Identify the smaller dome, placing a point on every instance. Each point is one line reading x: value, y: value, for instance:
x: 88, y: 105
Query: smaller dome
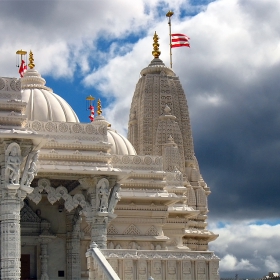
x: 42, y: 103
x: 121, y: 146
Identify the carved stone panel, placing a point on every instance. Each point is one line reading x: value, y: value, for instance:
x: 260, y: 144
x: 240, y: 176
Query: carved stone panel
x: 157, y: 270
x: 187, y: 270
x: 128, y: 270
x: 171, y: 271
x: 142, y: 270
x: 201, y: 270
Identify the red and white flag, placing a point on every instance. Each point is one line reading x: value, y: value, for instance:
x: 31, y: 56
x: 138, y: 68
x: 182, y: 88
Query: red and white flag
x: 179, y: 40
x: 22, y: 68
x: 91, y: 117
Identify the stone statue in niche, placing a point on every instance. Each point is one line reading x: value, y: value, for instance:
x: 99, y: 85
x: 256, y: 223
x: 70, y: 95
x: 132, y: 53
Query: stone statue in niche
x: 114, y: 198
x: 107, y: 198
x: 103, y: 195
x: 13, y: 165
x: 32, y: 170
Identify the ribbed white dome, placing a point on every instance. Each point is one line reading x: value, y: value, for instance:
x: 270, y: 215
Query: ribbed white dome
x: 42, y: 103
x: 121, y: 146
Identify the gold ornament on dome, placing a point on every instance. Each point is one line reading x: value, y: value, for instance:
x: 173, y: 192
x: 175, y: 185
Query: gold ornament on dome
x: 156, y: 52
x: 31, y: 60
x: 99, y: 108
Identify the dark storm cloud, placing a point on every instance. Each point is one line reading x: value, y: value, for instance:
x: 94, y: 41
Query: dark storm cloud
x: 237, y: 146
x: 27, y: 12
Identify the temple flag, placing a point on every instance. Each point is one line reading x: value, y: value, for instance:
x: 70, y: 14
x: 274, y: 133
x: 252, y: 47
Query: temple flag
x: 22, y: 68
x: 91, y: 117
x: 179, y: 40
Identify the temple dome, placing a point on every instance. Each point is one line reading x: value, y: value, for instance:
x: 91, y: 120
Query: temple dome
x: 42, y: 103
x: 120, y: 145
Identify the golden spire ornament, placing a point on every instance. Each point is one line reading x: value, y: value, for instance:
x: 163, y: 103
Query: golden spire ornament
x: 156, y: 52
x: 31, y: 60
x: 99, y: 107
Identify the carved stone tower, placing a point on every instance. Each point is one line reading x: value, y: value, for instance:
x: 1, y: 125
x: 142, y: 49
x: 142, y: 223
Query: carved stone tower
x: 159, y: 125
x: 159, y: 109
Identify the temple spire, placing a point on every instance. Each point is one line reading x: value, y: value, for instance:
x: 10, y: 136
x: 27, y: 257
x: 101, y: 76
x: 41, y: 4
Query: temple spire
x: 156, y: 52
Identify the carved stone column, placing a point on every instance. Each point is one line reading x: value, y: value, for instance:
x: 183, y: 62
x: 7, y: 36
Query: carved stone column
x: 12, y: 191
x: 44, y: 260
x: 73, y: 246
x: 10, y: 232
x: 44, y: 239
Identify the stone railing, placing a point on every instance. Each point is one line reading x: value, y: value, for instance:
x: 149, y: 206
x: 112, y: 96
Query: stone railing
x: 162, y: 264
x: 99, y: 268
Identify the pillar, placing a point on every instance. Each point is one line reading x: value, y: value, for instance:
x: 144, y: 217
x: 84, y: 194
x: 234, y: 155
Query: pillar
x: 44, y: 256
x: 15, y: 185
x: 73, y: 246
x: 10, y: 232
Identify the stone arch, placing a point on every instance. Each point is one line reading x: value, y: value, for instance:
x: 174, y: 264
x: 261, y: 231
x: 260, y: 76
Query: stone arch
x: 54, y: 195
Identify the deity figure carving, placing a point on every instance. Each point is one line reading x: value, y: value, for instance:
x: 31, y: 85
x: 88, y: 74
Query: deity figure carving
x: 32, y: 170
x: 13, y: 165
x: 114, y: 198
x: 103, y: 195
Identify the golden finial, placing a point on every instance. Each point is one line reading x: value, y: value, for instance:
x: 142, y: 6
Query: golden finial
x: 99, y: 108
x: 31, y: 60
x: 21, y: 52
x: 156, y: 52
x: 90, y: 98
x: 169, y: 14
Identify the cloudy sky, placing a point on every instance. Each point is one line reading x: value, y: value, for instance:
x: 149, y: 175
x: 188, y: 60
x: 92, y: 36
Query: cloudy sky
x: 230, y: 76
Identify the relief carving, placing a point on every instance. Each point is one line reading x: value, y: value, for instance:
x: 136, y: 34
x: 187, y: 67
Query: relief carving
x: 13, y: 164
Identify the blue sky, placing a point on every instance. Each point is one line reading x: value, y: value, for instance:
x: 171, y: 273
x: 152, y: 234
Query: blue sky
x: 230, y: 77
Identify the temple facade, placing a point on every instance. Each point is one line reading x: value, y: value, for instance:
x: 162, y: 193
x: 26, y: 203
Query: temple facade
x: 80, y: 201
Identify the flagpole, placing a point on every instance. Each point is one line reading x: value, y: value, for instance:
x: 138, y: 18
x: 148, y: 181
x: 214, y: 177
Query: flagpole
x: 169, y: 15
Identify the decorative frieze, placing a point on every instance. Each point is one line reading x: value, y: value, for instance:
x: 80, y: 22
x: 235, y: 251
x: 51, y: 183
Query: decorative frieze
x: 137, y: 162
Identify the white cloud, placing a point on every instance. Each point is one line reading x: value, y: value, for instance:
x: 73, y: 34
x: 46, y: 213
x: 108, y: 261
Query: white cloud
x: 230, y: 263
x: 272, y: 264
x: 247, y: 246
